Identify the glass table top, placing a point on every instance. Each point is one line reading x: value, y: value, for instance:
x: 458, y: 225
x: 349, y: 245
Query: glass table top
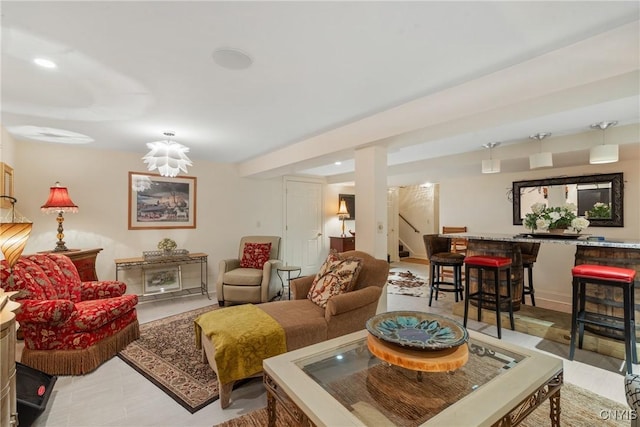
x: 377, y: 392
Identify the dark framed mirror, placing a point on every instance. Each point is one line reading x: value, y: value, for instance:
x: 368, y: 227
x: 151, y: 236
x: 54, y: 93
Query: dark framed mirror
x: 598, y: 197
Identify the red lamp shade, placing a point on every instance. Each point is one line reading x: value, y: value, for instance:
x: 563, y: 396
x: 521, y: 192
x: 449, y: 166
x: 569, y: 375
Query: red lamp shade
x: 59, y: 200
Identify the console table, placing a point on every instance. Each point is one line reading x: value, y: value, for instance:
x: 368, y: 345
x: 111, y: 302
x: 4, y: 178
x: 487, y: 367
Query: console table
x: 141, y: 263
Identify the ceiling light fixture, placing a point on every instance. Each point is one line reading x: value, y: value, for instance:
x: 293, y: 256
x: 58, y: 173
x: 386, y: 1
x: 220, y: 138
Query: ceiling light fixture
x: 492, y: 165
x: 168, y: 157
x: 601, y: 154
x: 47, y: 134
x: 232, y: 59
x: 541, y: 159
x: 45, y: 63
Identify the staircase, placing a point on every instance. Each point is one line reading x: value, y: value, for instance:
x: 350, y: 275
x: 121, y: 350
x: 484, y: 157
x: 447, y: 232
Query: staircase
x: 402, y: 253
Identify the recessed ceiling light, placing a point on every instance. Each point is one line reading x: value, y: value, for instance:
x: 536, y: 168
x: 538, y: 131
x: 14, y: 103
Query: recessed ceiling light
x: 49, y: 134
x: 45, y: 63
x: 337, y: 163
x: 232, y: 59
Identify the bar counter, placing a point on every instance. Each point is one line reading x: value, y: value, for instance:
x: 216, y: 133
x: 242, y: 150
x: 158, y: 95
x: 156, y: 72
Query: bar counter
x: 624, y: 253
x: 538, y: 238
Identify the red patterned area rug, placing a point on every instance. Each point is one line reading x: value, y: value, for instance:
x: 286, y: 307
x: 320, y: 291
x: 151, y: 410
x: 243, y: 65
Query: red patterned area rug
x: 404, y: 282
x: 167, y: 356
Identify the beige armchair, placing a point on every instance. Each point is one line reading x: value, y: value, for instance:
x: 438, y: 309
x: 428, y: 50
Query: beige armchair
x: 238, y: 284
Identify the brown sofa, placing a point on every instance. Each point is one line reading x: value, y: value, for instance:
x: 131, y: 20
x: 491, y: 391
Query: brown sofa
x: 305, y: 323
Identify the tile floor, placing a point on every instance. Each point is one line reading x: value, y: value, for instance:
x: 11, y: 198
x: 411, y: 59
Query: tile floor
x: 116, y: 395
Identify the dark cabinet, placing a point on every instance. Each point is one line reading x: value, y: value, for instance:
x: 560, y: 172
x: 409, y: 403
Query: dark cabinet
x: 343, y: 244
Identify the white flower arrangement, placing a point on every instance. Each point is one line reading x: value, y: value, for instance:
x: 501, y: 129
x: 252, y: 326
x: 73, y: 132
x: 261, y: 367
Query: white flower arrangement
x: 549, y: 218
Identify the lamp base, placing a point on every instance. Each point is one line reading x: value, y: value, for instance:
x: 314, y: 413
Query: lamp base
x: 60, y: 247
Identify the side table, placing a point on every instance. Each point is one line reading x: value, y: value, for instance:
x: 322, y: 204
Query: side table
x: 84, y: 260
x: 288, y: 269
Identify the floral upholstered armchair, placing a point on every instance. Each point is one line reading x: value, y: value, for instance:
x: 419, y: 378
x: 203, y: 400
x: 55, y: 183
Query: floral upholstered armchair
x: 70, y: 327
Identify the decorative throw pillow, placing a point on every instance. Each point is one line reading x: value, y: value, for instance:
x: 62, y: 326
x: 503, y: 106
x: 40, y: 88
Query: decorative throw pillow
x: 336, y: 276
x: 254, y: 255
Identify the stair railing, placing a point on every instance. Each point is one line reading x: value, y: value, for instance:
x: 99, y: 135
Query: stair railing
x: 407, y: 221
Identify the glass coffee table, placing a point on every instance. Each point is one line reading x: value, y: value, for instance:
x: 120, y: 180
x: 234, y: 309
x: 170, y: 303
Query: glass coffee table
x: 340, y: 383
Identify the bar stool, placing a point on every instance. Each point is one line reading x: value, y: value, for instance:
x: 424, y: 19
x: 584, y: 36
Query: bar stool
x: 529, y: 256
x: 495, y: 264
x: 440, y: 255
x: 603, y: 275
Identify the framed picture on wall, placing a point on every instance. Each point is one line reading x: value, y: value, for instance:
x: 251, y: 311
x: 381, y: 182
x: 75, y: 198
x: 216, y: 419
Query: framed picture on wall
x: 167, y: 278
x: 157, y: 202
x: 6, y: 184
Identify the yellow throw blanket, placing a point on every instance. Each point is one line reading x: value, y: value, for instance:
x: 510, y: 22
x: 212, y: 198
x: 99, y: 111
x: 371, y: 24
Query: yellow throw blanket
x: 243, y: 337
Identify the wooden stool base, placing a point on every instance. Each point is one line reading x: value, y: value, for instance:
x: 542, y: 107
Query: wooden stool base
x: 419, y: 360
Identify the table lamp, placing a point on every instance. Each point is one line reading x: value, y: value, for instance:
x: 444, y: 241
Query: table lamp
x: 343, y: 214
x: 59, y: 201
x: 14, y: 233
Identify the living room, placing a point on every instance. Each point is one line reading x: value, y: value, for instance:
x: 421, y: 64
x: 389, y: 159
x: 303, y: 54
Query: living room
x: 232, y: 202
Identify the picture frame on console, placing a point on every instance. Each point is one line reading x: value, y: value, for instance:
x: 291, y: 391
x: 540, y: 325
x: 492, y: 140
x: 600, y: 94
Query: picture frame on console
x: 157, y: 280
x: 157, y: 202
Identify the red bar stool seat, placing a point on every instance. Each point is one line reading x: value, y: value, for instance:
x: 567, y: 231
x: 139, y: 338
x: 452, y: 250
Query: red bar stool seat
x: 604, y: 275
x: 495, y: 264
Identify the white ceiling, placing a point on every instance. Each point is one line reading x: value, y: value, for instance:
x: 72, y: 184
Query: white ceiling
x: 425, y: 79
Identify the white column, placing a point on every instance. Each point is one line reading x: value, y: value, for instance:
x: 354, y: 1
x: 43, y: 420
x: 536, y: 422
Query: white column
x: 371, y: 206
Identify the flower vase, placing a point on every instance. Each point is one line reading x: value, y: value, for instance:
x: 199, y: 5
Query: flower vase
x: 557, y: 230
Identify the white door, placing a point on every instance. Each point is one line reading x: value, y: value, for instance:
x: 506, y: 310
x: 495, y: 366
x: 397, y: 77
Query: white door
x: 303, y: 225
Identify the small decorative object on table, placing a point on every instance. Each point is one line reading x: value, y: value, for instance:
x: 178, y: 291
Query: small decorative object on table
x: 167, y: 245
x: 418, y: 341
x: 167, y: 251
x: 554, y: 219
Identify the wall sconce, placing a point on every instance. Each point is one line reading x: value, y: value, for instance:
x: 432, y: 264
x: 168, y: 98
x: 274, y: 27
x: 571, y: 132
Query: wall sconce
x: 343, y: 214
x: 167, y: 156
x: 601, y: 154
x: 14, y: 233
x: 492, y: 165
x: 541, y: 159
x: 59, y: 201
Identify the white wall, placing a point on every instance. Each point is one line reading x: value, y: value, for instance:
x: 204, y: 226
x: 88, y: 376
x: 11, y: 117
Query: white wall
x: 482, y: 204
x: 7, y: 147
x: 228, y: 207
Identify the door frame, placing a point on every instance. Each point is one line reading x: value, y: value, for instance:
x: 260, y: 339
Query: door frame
x: 290, y: 178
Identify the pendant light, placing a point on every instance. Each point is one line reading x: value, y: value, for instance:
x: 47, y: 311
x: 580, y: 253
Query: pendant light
x: 541, y: 159
x: 601, y: 154
x: 491, y: 165
x: 167, y: 156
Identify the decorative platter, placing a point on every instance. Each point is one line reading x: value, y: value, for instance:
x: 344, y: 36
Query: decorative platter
x: 417, y: 330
